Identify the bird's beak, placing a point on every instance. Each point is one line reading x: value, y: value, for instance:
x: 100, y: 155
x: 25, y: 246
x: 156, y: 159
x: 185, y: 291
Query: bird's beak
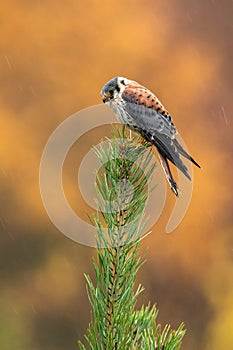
x: 105, y: 98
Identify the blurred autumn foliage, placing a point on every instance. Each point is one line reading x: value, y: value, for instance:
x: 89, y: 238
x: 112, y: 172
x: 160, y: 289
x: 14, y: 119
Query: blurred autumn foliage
x: 54, y: 59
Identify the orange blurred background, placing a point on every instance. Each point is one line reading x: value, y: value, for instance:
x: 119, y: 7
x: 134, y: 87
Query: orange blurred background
x: 54, y: 59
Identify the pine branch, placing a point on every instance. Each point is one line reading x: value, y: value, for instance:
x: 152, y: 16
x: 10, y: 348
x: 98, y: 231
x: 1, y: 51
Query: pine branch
x: 122, y: 188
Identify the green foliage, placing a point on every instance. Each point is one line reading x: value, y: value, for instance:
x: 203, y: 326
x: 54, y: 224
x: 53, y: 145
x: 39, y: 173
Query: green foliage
x: 122, y: 188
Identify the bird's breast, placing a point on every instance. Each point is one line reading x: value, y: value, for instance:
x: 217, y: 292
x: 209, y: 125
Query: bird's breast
x: 122, y: 116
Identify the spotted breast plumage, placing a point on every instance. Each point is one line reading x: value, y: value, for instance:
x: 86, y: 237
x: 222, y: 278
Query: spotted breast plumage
x: 138, y: 108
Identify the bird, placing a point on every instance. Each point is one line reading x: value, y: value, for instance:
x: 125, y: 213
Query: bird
x: 141, y: 111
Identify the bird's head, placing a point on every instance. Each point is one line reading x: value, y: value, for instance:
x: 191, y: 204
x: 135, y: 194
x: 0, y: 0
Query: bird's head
x: 112, y: 88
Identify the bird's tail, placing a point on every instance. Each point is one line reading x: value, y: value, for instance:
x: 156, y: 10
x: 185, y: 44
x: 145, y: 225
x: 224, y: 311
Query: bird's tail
x: 170, y: 150
x: 168, y: 174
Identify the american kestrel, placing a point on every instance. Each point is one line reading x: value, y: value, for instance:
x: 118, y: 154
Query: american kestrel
x: 140, y: 110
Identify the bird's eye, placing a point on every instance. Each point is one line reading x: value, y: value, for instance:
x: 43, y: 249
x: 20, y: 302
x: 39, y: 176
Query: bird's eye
x: 123, y: 82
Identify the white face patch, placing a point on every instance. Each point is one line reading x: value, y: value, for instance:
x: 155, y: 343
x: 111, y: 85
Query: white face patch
x: 122, y: 83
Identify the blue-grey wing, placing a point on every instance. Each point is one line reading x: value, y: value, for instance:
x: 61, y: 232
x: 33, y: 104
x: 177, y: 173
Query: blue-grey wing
x: 146, y: 118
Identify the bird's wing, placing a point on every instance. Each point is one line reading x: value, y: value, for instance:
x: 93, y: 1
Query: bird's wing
x: 147, y: 111
x: 167, y: 149
x: 150, y: 118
